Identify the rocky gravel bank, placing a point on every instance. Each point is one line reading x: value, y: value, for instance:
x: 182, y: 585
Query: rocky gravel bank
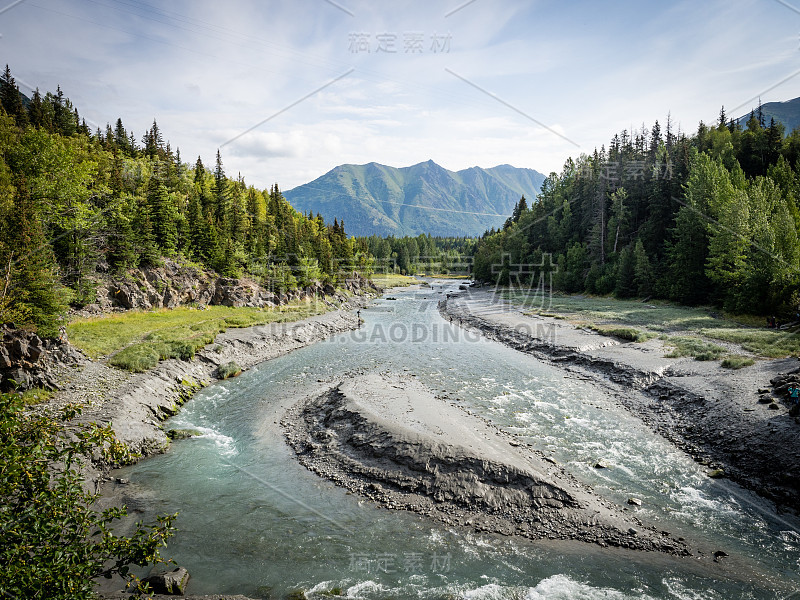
x: 736, y: 423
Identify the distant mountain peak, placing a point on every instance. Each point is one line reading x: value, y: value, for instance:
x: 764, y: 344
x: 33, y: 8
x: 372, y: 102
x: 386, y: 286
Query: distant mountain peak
x: 422, y: 198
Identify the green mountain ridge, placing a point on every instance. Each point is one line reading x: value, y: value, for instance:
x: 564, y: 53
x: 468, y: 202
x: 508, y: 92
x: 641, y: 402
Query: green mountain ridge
x: 786, y: 112
x: 423, y: 198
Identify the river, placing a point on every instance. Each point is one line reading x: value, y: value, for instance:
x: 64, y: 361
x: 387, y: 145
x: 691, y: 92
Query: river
x: 254, y: 521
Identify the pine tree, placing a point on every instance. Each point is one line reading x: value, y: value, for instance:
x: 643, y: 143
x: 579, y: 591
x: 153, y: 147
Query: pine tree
x: 36, y: 110
x: 163, y: 217
x: 642, y: 270
x: 11, y: 99
x: 221, y: 197
x: 32, y: 290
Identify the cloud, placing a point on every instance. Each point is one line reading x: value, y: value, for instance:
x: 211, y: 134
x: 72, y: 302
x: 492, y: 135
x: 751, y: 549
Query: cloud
x: 587, y: 70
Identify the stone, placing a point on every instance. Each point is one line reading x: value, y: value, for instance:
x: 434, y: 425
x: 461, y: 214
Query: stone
x: 634, y: 502
x: 172, y: 583
x: 182, y: 434
x: 716, y: 474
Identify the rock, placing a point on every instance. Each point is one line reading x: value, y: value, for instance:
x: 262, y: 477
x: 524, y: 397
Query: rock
x: 716, y: 474
x: 773, y: 406
x: 17, y: 378
x: 719, y: 554
x: 600, y: 465
x: 766, y: 399
x: 634, y: 502
x: 182, y: 434
x: 172, y: 582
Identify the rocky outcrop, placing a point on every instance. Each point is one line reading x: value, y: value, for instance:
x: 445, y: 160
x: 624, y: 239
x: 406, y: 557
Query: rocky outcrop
x: 173, y: 284
x: 171, y: 582
x: 26, y: 360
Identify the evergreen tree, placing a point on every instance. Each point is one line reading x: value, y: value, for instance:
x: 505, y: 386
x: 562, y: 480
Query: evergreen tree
x: 32, y: 293
x: 11, y: 99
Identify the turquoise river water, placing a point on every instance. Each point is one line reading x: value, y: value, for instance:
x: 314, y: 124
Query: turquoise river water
x: 254, y: 521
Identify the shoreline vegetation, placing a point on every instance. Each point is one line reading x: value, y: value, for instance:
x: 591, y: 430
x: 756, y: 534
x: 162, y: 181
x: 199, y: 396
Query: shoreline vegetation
x: 137, y: 340
x: 692, y: 331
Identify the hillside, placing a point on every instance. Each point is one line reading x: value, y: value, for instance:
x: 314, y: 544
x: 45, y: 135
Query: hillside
x: 787, y: 112
x: 423, y: 198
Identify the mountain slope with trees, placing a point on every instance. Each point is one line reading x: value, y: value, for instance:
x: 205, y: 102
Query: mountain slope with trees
x: 75, y: 202
x: 709, y: 218
x: 374, y: 199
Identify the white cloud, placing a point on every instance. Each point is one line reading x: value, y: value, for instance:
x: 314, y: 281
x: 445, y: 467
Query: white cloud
x: 208, y: 71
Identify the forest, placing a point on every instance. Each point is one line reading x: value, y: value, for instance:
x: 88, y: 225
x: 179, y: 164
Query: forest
x: 710, y: 218
x: 422, y: 254
x: 75, y: 202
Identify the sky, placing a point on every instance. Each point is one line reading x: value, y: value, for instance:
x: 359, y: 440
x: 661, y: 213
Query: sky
x: 288, y: 90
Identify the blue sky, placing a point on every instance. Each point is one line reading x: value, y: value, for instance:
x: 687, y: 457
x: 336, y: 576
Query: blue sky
x: 463, y: 83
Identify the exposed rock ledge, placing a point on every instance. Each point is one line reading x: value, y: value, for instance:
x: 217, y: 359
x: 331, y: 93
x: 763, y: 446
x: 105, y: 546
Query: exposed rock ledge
x: 388, y: 438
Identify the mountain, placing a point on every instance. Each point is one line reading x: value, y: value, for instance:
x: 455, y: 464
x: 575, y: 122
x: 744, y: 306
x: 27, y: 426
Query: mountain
x: 787, y: 112
x: 423, y: 198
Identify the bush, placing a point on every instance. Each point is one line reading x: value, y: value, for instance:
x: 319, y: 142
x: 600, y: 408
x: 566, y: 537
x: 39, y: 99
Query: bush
x: 737, y: 362
x: 54, y: 544
x: 230, y: 369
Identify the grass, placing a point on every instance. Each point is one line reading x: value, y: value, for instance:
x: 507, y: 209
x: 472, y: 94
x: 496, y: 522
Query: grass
x: 137, y: 340
x: 625, y: 333
x: 36, y: 395
x: 389, y: 280
x: 764, y: 342
x: 737, y: 362
x: 656, y: 314
x: 693, y: 346
x: 685, y: 325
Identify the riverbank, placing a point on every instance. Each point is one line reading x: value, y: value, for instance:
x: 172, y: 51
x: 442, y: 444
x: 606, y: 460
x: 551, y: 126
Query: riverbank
x: 136, y: 404
x: 712, y: 413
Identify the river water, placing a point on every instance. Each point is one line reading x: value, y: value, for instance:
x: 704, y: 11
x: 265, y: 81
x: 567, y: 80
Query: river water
x: 253, y: 521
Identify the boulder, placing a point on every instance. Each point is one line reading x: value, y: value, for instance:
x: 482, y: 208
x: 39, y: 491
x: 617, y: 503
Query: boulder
x: 172, y: 582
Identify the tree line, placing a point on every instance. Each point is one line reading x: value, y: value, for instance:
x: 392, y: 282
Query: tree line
x: 424, y: 253
x: 74, y: 202
x: 708, y: 218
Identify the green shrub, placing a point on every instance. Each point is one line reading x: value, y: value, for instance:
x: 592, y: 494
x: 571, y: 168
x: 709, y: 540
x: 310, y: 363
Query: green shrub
x: 54, y: 543
x: 230, y: 369
x: 737, y: 362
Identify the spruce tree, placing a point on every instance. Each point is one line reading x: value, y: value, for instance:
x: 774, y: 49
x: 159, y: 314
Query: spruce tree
x: 11, y: 99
